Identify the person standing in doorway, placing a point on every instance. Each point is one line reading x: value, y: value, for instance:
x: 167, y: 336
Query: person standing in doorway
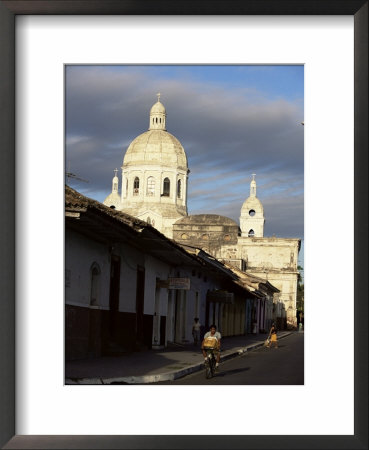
x: 196, y: 330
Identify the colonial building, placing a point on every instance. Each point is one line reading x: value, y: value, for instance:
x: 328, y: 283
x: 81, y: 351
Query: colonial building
x: 154, y: 189
x: 129, y: 287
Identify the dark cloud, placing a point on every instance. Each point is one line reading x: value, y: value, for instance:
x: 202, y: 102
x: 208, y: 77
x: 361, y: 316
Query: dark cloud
x: 227, y: 134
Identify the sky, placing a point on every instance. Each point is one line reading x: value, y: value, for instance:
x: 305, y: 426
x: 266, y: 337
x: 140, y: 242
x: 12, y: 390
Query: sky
x: 232, y: 121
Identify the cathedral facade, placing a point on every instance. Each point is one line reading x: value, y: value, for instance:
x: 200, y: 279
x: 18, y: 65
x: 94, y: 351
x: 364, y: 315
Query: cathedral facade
x: 154, y: 176
x: 154, y: 189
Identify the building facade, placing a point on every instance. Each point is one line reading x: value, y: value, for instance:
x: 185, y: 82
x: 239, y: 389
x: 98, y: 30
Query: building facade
x: 128, y: 287
x: 154, y: 189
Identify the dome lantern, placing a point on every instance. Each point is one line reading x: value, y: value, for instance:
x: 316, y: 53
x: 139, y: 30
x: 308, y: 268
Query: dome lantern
x: 158, y: 116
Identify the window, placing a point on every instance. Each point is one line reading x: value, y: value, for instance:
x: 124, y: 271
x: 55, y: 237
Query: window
x: 251, y: 233
x: 166, y: 187
x: 151, y: 186
x: 252, y: 212
x: 179, y: 187
x: 136, y: 186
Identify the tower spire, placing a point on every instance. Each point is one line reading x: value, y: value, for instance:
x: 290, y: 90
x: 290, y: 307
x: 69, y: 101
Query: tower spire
x: 115, y: 183
x: 253, y: 186
x: 252, y: 214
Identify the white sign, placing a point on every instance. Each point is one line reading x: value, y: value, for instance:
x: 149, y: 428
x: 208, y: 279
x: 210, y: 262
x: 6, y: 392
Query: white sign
x: 179, y: 283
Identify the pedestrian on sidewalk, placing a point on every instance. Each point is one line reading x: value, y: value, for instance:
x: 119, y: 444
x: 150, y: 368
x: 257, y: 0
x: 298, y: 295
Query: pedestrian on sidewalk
x: 273, y: 336
x: 196, y: 330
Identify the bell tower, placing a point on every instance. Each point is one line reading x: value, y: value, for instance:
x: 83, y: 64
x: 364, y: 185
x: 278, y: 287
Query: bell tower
x: 252, y: 214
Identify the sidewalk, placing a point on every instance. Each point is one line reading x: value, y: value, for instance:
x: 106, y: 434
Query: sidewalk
x: 156, y: 365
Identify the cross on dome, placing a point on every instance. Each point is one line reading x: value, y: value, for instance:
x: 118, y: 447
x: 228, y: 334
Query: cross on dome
x: 115, y: 172
x: 158, y: 95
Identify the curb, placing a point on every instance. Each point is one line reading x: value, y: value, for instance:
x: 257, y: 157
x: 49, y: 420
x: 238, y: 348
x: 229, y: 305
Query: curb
x: 167, y: 376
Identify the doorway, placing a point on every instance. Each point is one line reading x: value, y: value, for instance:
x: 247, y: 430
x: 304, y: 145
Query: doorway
x: 156, y: 318
x: 140, y: 297
x: 114, y: 295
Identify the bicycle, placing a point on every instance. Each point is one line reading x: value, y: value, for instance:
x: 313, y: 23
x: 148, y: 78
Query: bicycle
x: 210, y: 362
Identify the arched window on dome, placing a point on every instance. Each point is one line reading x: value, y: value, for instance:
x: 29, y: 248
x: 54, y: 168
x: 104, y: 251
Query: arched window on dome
x: 151, y: 186
x: 251, y: 233
x: 179, y: 188
x: 166, y: 187
x: 136, y: 186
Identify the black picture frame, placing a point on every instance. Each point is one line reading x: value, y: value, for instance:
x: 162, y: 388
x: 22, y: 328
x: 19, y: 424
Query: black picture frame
x: 8, y: 12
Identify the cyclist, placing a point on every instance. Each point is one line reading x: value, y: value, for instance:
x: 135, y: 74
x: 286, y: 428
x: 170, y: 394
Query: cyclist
x: 212, y: 339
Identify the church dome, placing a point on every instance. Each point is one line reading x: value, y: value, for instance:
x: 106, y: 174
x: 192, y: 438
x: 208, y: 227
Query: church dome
x: 158, y: 107
x: 156, y: 147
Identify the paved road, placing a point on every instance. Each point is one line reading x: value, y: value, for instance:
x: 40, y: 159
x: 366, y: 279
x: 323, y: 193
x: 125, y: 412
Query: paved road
x: 281, y: 366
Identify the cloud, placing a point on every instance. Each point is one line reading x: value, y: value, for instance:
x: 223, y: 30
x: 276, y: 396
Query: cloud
x: 228, y: 134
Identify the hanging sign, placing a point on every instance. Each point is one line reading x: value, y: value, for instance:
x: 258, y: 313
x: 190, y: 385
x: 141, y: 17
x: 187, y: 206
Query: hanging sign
x: 179, y: 283
x: 174, y: 283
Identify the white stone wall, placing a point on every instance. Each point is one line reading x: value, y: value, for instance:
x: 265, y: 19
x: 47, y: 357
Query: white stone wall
x: 161, y: 210
x: 79, y: 257
x: 272, y: 259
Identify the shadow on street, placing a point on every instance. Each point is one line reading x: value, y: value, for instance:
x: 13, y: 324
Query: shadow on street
x: 231, y: 372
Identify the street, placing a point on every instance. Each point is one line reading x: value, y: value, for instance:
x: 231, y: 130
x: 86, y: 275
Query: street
x: 275, y: 366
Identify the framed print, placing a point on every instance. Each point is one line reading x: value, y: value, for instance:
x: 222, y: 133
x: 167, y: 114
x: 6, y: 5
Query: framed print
x: 37, y: 410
